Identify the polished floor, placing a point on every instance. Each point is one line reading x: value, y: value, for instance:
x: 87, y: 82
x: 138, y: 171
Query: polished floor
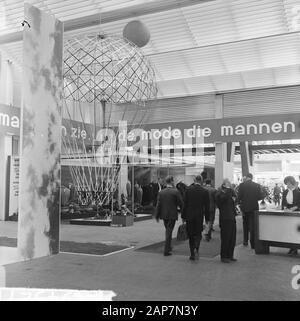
x: 136, y: 275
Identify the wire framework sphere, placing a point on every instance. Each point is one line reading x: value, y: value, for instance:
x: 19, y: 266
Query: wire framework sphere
x: 107, y: 68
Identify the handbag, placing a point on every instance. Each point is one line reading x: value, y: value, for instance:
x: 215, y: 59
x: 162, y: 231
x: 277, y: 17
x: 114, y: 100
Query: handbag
x: 182, y: 232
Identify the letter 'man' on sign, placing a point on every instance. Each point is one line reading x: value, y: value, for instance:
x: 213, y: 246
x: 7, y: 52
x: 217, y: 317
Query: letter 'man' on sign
x: 226, y: 130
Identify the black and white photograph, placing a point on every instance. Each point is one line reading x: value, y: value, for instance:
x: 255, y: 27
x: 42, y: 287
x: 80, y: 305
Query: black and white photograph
x: 150, y: 153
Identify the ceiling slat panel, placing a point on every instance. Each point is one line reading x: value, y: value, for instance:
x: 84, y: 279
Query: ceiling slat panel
x: 188, y: 45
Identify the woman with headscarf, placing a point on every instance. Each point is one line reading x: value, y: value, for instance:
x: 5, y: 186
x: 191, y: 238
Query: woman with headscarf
x: 225, y: 200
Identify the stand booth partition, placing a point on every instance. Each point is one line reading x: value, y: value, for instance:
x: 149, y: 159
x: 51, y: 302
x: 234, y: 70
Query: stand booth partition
x: 276, y: 228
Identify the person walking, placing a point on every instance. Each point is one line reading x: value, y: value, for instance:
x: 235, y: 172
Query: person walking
x: 212, y: 208
x: 225, y: 199
x: 276, y: 194
x: 156, y: 188
x: 196, y: 207
x: 168, y: 202
x: 248, y: 196
x: 291, y: 201
x: 138, y: 193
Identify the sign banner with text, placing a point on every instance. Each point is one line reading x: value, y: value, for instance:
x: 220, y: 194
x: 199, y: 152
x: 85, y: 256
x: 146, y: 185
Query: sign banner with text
x: 9, y: 120
x: 256, y: 128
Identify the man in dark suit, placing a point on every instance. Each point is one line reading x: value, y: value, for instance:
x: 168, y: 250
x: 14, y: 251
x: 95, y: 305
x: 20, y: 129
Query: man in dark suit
x: 168, y: 202
x: 196, y: 206
x: 249, y: 193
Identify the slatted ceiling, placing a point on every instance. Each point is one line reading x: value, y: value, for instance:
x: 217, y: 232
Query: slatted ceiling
x: 163, y: 46
x: 205, y: 61
x: 75, y: 14
x: 257, y: 17
x: 169, y: 88
x: 262, y: 102
x: 171, y: 109
x: 172, y: 67
x: 259, y: 78
x: 236, y: 57
x: 196, y: 19
x: 199, y: 84
x: 72, y: 8
x: 62, y: 6
x: 242, y: 56
x: 227, y: 81
x: 236, y: 18
x: 200, y: 21
x: 280, y: 51
x: 184, y: 28
x: 287, y: 75
x: 157, y: 73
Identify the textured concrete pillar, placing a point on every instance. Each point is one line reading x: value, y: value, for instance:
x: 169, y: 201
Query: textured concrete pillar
x: 6, y: 80
x: 6, y: 97
x: 38, y: 230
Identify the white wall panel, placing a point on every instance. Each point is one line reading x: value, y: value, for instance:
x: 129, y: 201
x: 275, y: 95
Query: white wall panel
x: 262, y: 102
x: 168, y: 110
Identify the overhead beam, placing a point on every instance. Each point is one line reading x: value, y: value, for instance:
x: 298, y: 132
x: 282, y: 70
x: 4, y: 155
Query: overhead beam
x: 133, y: 11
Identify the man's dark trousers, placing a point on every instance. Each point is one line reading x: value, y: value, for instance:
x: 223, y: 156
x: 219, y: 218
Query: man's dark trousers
x: 169, y: 225
x: 245, y: 229
x: 248, y: 227
x: 194, y: 242
x: 228, y: 238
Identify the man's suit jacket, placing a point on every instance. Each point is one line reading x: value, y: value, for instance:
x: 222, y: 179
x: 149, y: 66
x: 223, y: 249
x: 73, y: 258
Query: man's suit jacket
x: 168, y: 201
x: 296, y: 198
x: 196, y: 203
x: 212, y: 198
x: 225, y: 201
x: 248, y: 196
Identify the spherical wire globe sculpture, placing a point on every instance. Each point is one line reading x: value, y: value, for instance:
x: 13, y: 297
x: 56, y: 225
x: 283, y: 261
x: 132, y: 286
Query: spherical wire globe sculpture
x: 109, y: 75
x: 107, y: 68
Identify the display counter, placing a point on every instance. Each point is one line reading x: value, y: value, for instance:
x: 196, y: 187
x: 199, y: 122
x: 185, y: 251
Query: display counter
x: 276, y: 228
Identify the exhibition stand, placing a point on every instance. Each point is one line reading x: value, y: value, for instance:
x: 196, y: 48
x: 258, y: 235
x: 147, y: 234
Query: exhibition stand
x: 276, y: 228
